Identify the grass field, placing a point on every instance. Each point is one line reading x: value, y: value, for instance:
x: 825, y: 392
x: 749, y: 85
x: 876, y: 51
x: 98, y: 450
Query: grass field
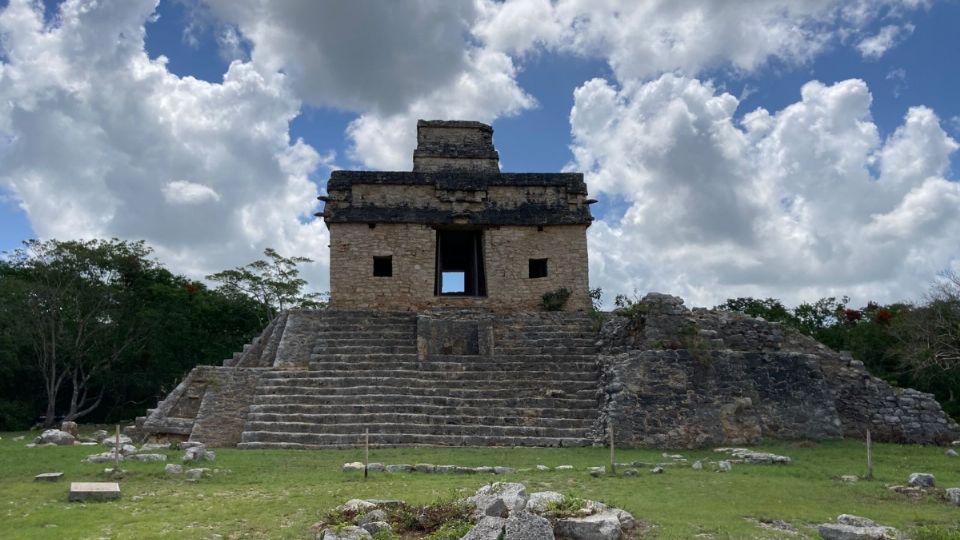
x: 279, y: 494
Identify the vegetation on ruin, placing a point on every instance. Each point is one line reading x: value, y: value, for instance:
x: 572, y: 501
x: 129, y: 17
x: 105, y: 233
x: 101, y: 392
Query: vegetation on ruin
x: 281, y: 494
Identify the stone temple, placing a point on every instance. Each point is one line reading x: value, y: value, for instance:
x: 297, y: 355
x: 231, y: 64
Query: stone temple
x: 437, y: 334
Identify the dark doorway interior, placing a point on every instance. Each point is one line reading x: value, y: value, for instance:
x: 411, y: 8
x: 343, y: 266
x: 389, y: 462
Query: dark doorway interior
x: 460, y: 263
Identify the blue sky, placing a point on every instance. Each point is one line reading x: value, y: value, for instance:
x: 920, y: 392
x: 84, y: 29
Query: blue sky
x: 843, y: 187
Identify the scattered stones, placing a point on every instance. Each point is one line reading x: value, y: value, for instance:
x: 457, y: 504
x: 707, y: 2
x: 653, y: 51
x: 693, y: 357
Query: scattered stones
x: 488, y: 528
x: 953, y: 496
x: 597, y: 472
x: 198, y: 452
x: 951, y: 453
x: 444, y: 469
x: 376, y: 467
x: 656, y: 470
x: 599, y: 526
x: 922, y: 480
x: 539, y: 502
x: 850, y: 527
x: 543, y: 468
x: 401, y: 468
x: 18, y: 438
x: 697, y: 465
x: 375, y: 527
x: 502, y: 470
x: 755, y: 458
x: 910, y: 491
x: 71, y: 428
x: 374, y: 515
x: 155, y: 446
x: 111, y: 441
x: 724, y: 466
x: 775, y: 525
x: 173, y: 468
x: 849, y: 478
x: 352, y: 467
x: 55, y: 436
x: 197, y: 474
x: 464, y: 470
x: 424, y: 467
x: 523, y: 525
x: 99, y: 435
x: 564, y: 468
x: 184, y: 445
x: 499, y: 499
x: 105, y: 457
x: 94, y: 491
x: 483, y: 470
x: 147, y: 457
x: 48, y: 477
x: 356, y: 506
x: 631, y: 472
x: 351, y: 532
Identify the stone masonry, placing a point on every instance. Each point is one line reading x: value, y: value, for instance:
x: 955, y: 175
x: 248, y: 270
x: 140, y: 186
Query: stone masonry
x: 667, y: 377
x: 456, y: 187
x: 405, y: 355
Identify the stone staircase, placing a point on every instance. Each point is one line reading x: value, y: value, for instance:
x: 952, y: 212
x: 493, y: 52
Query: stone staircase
x: 535, y: 384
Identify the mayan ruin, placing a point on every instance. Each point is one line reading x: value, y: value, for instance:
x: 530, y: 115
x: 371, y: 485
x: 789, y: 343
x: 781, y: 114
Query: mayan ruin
x: 438, y: 334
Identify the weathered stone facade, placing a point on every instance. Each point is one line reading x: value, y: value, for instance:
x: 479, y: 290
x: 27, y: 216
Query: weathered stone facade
x: 413, y: 250
x: 517, y: 221
x: 675, y: 377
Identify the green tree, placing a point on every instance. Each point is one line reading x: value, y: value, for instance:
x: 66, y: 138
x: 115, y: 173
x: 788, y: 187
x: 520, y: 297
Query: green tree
x: 73, y: 305
x: 275, y: 284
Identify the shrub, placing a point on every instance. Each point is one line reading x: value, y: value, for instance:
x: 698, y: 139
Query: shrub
x: 555, y: 300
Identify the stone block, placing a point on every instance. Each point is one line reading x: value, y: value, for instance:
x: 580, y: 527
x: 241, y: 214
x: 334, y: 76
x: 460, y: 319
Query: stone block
x: 48, y: 477
x: 94, y: 491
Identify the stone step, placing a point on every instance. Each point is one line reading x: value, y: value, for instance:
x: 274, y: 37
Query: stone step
x: 577, y: 365
x: 316, y: 413
x: 515, y: 349
x: 405, y: 348
x: 323, y: 423
x: 387, y: 377
x: 408, y: 429
x: 344, y: 325
x: 410, y: 334
x: 375, y: 341
x: 393, y: 440
x: 376, y: 394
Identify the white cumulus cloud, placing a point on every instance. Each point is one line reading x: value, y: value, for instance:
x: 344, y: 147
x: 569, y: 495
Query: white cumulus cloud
x: 875, y: 46
x: 104, y: 141
x: 797, y: 203
x: 186, y: 192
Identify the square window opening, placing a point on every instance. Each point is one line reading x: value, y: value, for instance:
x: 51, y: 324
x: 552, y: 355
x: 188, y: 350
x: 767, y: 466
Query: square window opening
x: 453, y: 283
x: 383, y: 266
x: 538, y: 268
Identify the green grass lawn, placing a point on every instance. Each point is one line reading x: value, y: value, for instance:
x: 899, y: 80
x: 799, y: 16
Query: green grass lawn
x: 279, y: 494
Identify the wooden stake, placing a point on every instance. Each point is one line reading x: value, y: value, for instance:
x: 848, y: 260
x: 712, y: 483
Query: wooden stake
x: 869, y: 457
x: 116, y: 453
x: 613, y: 462
x: 366, y: 451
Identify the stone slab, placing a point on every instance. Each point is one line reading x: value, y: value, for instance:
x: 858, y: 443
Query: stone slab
x: 48, y: 477
x: 94, y: 491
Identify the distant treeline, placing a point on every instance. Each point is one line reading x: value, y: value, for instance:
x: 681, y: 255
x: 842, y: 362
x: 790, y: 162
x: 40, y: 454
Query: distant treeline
x: 99, y: 330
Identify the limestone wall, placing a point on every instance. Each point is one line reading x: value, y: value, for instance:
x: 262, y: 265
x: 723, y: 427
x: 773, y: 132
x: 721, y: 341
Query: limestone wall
x: 507, y: 250
x: 673, y: 376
